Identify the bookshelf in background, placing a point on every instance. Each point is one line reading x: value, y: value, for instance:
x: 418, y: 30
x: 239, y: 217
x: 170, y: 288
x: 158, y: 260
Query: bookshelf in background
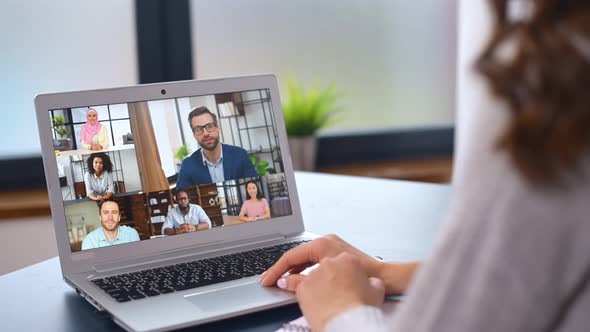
x: 193, y: 194
x: 246, y: 120
x: 132, y: 209
x: 208, y: 200
x: 158, y: 205
x: 233, y: 201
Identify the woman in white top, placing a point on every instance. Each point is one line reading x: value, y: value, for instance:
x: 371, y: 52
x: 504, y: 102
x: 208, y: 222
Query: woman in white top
x: 93, y: 134
x: 99, y: 178
x: 514, y: 254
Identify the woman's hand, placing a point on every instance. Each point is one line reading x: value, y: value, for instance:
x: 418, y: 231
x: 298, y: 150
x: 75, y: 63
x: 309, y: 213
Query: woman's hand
x: 301, y: 257
x: 338, y: 284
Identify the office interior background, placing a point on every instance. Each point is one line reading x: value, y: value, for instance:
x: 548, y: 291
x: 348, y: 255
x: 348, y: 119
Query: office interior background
x: 395, y: 63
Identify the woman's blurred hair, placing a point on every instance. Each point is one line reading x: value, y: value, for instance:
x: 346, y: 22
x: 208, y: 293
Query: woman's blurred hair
x: 538, y: 62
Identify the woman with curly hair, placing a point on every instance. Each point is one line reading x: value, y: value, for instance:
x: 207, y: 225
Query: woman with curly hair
x: 99, y: 178
x: 514, y: 255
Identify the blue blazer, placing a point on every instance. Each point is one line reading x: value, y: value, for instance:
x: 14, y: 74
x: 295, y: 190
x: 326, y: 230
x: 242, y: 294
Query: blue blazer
x: 236, y: 165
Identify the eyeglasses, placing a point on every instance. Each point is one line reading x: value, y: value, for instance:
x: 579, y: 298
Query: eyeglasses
x: 182, y: 198
x: 198, y: 130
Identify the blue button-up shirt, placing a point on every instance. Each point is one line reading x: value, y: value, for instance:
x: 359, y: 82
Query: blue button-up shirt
x: 97, y: 239
x: 216, y: 168
x: 236, y: 164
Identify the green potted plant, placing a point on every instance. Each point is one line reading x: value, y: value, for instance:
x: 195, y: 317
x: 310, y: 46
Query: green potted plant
x: 180, y: 154
x: 305, y: 113
x: 261, y: 166
x: 62, y: 131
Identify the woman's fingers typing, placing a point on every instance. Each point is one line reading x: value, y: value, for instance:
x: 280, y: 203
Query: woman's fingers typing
x: 293, y: 258
x: 290, y: 282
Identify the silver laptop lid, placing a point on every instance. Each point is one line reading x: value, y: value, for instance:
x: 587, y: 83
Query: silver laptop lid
x: 128, y: 141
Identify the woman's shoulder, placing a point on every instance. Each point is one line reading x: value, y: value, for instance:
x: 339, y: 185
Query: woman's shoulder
x: 260, y: 202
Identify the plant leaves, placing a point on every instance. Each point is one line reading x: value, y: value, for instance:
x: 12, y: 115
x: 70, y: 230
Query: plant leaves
x: 306, y: 112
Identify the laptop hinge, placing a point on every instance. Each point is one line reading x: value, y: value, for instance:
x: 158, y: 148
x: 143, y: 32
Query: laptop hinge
x: 179, y: 253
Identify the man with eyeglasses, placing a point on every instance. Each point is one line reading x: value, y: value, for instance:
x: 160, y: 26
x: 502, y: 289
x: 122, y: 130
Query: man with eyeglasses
x: 213, y: 162
x: 185, y: 217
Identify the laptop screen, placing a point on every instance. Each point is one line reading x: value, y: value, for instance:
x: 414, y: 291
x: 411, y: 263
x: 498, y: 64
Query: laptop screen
x: 145, y: 170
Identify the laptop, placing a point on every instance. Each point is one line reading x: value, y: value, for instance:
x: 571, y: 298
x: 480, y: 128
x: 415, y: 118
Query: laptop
x: 149, y: 229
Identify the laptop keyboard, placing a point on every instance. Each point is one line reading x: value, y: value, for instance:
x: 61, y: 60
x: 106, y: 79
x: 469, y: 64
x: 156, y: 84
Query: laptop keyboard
x: 178, y: 277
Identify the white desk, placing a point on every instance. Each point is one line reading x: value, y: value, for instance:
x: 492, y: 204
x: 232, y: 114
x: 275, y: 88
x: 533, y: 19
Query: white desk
x: 399, y: 222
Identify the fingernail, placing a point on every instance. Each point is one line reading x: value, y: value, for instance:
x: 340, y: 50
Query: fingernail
x: 263, y: 274
x: 282, y: 283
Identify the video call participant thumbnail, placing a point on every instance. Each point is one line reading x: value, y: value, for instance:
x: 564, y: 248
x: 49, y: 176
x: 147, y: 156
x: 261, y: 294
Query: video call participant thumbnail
x: 99, y: 178
x: 93, y: 135
x: 110, y: 233
x: 256, y: 206
x: 213, y: 162
x: 185, y: 217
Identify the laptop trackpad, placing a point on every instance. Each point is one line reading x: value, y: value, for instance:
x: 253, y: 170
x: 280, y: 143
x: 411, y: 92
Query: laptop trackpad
x: 233, y: 298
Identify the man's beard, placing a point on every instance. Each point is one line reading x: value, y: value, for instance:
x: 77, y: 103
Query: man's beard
x: 184, y: 209
x: 104, y: 225
x: 212, y: 146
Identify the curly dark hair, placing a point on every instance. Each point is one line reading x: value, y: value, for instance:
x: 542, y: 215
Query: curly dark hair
x: 544, y: 80
x: 106, y: 162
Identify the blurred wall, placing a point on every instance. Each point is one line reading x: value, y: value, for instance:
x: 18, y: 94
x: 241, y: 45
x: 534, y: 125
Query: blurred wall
x: 395, y: 59
x: 53, y: 46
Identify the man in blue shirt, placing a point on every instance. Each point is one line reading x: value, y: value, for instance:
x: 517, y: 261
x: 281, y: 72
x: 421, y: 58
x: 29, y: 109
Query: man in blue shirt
x: 110, y: 233
x: 213, y: 162
x: 185, y: 217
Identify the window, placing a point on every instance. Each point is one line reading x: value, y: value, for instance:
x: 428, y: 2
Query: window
x: 114, y: 117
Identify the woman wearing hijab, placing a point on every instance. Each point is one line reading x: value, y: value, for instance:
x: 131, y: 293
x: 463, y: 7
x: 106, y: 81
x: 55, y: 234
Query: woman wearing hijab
x: 93, y: 134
